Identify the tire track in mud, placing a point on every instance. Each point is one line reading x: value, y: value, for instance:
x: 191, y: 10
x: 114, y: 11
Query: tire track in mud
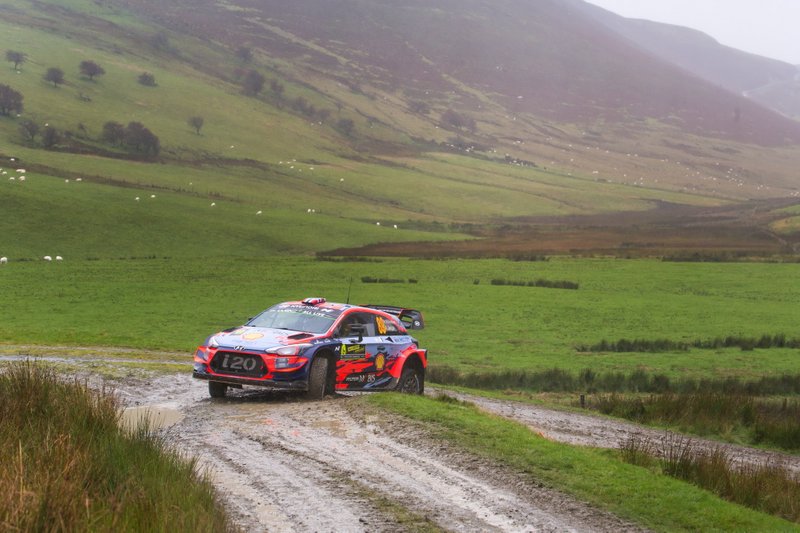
x: 281, y: 464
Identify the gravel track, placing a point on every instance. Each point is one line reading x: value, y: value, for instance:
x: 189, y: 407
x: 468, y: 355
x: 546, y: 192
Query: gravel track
x: 282, y: 464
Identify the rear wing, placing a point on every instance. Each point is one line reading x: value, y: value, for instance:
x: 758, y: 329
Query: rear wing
x: 411, y: 318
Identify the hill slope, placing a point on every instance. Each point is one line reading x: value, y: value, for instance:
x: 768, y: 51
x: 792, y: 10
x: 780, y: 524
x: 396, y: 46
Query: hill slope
x: 362, y: 120
x: 545, y: 57
x: 770, y: 82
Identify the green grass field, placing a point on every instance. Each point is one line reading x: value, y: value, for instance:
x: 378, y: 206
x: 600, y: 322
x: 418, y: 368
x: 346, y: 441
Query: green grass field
x: 174, y: 303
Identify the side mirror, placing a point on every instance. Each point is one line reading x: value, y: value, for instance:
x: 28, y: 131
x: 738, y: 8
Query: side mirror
x: 358, y: 329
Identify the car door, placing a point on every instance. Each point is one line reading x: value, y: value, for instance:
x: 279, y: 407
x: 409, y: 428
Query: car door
x: 364, y: 351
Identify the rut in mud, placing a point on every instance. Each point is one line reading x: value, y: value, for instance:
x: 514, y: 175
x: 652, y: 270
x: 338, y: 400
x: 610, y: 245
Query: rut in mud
x: 283, y: 464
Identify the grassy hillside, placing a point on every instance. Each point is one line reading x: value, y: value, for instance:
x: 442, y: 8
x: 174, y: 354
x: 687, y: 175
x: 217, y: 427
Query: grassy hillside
x: 263, y: 153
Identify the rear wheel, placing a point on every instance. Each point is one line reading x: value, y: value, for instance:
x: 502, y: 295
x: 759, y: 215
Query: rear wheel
x: 318, y: 378
x: 412, y: 381
x: 217, y: 389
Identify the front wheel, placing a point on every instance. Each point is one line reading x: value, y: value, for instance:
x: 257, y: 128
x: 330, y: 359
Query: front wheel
x: 318, y: 378
x: 217, y: 389
x: 412, y: 381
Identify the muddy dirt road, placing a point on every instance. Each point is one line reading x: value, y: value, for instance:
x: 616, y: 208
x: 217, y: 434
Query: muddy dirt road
x: 283, y: 464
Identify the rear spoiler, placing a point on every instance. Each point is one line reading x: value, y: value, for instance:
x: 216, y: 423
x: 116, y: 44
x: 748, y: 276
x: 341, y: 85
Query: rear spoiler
x: 411, y: 318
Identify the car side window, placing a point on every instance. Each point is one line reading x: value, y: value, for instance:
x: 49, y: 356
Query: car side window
x: 364, y: 320
x: 386, y: 326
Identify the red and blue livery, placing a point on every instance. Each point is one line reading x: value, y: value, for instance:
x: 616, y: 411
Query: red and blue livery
x: 317, y: 347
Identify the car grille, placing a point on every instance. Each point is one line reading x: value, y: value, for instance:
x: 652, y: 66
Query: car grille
x: 238, y: 364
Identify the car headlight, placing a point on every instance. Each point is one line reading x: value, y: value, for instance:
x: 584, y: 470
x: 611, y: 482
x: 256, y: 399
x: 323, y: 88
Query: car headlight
x: 292, y: 349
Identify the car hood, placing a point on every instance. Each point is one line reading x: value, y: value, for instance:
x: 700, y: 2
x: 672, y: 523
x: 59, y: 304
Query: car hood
x: 251, y: 338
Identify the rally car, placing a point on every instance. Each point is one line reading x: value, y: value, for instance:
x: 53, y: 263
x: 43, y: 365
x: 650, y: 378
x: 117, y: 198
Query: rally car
x: 317, y: 347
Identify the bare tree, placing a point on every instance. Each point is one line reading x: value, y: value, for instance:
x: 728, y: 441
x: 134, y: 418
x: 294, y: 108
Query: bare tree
x: 245, y: 53
x: 160, y: 41
x: 345, y: 126
x: 91, y: 69
x: 10, y: 100
x: 196, y: 122
x: 113, y: 132
x: 253, y: 83
x: 50, y: 137
x: 453, y: 119
x: 54, y: 75
x: 276, y: 87
x: 419, y: 107
x: 147, y: 79
x: 141, y: 139
x: 15, y: 57
x: 29, y: 130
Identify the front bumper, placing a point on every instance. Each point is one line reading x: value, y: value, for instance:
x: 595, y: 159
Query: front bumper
x: 200, y: 372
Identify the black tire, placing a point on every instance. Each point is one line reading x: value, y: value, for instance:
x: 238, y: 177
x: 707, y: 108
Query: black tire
x: 412, y: 381
x: 217, y: 389
x: 318, y: 379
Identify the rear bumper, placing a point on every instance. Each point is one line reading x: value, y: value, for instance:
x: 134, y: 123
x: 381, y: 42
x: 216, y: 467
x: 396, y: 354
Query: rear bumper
x: 200, y: 372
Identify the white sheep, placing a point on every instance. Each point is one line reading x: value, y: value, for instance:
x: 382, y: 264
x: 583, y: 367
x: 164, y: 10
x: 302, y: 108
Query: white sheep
x: 59, y: 258
x: 21, y: 170
x: 47, y: 258
x: 137, y: 198
x: 258, y: 212
x: 22, y: 178
x: 152, y: 196
x: 213, y: 204
x: 3, y: 260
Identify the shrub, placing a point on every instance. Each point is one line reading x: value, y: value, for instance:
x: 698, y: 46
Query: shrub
x: 769, y: 487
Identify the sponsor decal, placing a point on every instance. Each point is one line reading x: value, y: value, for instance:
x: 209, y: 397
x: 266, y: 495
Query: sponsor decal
x: 353, y: 351
x: 360, y: 378
x: 380, y: 362
x: 252, y: 336
x: 381, y: 323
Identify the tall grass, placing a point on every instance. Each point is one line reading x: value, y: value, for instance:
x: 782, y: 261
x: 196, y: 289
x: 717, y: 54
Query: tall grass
x: 559, y: 284
x: 779, y: 340
x: 590, y: 381
x: 771, y: 422
x: 68, y: 465
x: 768, y: 487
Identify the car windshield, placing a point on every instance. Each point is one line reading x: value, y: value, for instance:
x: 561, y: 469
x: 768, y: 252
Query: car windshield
x: 304, y: 318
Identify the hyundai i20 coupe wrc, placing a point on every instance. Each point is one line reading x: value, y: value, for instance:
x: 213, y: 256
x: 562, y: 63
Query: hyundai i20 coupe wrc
x: 317, y: 347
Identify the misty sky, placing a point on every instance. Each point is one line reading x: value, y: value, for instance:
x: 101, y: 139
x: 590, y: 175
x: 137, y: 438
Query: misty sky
x: 764, y: 27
